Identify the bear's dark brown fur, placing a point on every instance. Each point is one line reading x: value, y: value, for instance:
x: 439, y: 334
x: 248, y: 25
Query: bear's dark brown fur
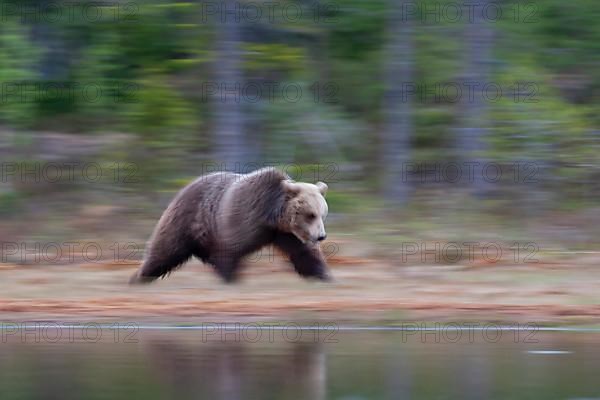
x: 222, y: 217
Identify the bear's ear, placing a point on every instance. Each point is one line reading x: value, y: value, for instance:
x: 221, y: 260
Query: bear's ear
x: 291, y: 188
x: 322, y: 187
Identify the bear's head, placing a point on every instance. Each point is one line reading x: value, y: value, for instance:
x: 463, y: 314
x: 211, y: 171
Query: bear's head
x: 305, y: 211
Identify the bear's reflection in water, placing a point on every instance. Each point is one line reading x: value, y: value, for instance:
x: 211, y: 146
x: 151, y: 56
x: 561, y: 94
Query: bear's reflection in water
x: 230, y: 371
x: 162, y: 366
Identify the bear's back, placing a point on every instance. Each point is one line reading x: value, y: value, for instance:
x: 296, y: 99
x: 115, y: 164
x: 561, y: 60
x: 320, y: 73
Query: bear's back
x: 193, y: 215
x: 193, y: 210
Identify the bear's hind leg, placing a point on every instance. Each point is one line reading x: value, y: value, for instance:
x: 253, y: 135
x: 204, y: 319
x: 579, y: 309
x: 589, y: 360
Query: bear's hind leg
x: 159, y: 262
x: 227, y: 269
x: 226, y: 265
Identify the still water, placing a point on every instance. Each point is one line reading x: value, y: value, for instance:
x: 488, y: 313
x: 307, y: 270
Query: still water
x: 332, y: 364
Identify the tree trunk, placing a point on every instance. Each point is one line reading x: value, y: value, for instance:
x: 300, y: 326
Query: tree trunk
x: 398, y: 124
x: 471, y: 143
x: 228, y: 113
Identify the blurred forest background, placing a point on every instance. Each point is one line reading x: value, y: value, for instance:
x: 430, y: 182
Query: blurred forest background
x: 135, y: 89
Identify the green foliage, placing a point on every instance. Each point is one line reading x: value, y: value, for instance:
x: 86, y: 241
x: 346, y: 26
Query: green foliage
x: 308, y: 130
x: 343, y: 202
x: 264, y: 57
x: 432, y: 127
x: 17, y: 66
x: 562, y: 38
x: 357, y: 28
x: 9, y: 202
x: 159, y: 113
x: 359, y: 84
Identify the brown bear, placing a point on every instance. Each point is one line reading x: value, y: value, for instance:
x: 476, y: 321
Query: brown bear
x: 223, y: 216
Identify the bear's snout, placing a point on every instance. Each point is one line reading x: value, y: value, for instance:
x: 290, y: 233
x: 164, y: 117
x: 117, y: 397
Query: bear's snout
x: 322, y: 237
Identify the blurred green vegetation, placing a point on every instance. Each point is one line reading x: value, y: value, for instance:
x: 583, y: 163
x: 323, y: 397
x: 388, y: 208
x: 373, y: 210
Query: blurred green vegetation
x: 151, y: 65
x: 165, y: 47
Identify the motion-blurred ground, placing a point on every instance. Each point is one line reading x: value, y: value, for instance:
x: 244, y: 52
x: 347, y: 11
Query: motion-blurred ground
x: 557, y: 289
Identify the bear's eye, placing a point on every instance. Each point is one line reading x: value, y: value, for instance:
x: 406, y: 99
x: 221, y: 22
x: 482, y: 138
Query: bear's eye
x: 311, y: 216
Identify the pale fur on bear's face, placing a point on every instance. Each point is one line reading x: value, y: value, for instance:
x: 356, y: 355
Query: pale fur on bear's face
x: 305, y: 211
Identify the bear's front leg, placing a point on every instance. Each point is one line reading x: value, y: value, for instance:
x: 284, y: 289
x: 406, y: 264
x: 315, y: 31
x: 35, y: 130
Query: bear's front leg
x: 308, y: 259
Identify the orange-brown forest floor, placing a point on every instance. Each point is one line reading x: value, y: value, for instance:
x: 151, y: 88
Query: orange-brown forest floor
x: 366, y: 290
